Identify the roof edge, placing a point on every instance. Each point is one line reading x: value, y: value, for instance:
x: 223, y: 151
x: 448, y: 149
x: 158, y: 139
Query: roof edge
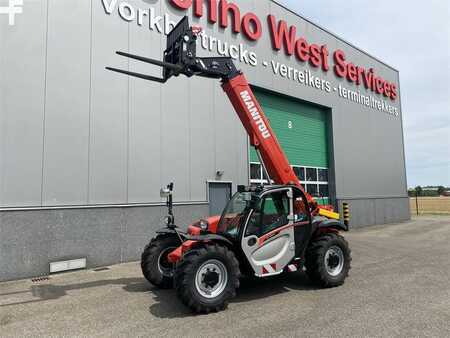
x: 335, y: 35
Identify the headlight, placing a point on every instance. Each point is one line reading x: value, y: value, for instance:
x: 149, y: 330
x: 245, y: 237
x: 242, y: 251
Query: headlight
x: 204, y: 225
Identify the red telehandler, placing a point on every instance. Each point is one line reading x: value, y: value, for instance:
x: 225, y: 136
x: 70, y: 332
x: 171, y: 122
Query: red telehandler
x: 264, y: 230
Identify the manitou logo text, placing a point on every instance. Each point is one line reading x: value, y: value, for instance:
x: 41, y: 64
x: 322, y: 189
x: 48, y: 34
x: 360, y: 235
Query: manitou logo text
x: 251, y: 106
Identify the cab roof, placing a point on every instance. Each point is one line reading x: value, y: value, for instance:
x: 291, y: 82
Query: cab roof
x: 262, y: 188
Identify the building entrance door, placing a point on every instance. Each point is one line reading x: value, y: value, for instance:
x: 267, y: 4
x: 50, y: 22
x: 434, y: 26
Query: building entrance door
x: 219, y: 195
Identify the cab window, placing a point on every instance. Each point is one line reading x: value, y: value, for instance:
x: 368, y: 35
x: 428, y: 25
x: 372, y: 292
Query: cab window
x: 300, y: 206
x: 271, y: 212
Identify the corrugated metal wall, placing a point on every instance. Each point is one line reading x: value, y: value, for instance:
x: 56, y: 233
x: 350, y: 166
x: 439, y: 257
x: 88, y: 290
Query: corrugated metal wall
x: 73, y: 133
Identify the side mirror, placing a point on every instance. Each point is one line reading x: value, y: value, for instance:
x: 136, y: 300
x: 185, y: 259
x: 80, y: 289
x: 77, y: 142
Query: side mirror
x: 165, y: 192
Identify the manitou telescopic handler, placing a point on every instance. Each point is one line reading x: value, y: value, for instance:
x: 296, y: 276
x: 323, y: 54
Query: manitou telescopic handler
x: 264, y: 230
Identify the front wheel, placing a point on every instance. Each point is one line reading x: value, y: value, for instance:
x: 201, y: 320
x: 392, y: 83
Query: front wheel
x: 206, y: 278
x: 328, y: 260
x: 154, y: 263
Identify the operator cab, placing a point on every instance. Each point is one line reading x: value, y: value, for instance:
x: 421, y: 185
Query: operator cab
x: 269, y: 207
x: 271, y: 223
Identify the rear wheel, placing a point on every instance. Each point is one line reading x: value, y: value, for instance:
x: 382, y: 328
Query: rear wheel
x: 206, y: 278
x: 328, y: 260
x: 154, y: 263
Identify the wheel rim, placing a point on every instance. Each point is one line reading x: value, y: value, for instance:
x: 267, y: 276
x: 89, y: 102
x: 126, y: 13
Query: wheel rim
x: 211, y: 278
x: 334, y: 260
x: 164, y: 266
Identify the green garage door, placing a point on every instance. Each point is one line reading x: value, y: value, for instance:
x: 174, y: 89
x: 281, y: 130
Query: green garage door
x: 301, y: 129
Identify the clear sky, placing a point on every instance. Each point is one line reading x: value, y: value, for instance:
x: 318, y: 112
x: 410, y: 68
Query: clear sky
x: 414, y: 37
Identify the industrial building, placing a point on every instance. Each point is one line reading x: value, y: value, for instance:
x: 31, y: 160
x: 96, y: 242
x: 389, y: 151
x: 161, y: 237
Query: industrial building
x: 84, y: 151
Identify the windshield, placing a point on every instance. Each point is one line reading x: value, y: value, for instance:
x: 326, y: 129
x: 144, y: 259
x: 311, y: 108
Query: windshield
x: 234, y: 215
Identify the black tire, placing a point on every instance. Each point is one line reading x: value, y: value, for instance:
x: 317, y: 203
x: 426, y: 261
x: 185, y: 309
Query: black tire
x: 317, y: 262
x: 157, y: 272
x: 186, y: 274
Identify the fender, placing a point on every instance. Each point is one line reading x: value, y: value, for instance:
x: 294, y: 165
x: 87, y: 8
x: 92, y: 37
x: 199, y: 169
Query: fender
x: 332, y: 223
x: 209, y: 238
x: 192, y: 241
x: 166, y: 230
x: 324, y: 224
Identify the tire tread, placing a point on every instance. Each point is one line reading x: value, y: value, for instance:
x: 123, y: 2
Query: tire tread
x: 315, y: 267
x: 186, y: 270
x: 151, y: 251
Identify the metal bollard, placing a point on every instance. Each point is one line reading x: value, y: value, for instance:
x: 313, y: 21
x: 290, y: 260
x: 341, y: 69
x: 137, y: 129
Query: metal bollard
x: 346, y: 212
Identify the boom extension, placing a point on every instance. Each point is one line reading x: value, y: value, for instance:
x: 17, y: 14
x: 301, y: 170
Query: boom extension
x: 180, y: 58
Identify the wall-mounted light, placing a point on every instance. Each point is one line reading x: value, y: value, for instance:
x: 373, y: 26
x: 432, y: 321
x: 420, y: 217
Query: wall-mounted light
x: 219, y: 173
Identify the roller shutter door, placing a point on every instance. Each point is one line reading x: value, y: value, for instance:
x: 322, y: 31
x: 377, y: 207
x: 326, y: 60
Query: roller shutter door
x: 301, y: 129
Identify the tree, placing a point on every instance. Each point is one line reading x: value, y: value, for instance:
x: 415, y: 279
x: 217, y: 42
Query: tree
x: 441, y: 190
x: 419, y: 190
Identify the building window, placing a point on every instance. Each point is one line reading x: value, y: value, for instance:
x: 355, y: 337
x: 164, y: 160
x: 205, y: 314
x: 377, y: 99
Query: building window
x: 255, y: 171
x: 311, y: 174
x: 300, y: 172
x: 323, y: 175
x: 257, y: 174
x: 313, y: 179
x: 312, y: 189
x: 323, y: 190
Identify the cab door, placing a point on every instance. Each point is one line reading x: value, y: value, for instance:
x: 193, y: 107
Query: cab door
x: 268, y: 239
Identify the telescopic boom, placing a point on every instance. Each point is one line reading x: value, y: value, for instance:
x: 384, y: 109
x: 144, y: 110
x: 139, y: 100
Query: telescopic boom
x: 180, y: 57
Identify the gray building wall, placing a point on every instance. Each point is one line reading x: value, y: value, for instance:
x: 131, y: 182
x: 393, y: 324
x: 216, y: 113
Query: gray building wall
x: 75, y: 135
x: 32, y: 239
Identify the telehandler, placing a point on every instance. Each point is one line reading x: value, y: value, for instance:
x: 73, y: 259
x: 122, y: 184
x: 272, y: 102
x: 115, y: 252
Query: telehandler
x: 265, y: 230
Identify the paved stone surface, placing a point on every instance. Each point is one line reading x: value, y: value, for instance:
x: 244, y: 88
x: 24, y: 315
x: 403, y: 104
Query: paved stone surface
x: 399, y: 286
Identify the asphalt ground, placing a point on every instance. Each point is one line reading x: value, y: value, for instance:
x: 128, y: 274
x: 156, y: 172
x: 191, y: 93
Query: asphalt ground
x: 399, y: 286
